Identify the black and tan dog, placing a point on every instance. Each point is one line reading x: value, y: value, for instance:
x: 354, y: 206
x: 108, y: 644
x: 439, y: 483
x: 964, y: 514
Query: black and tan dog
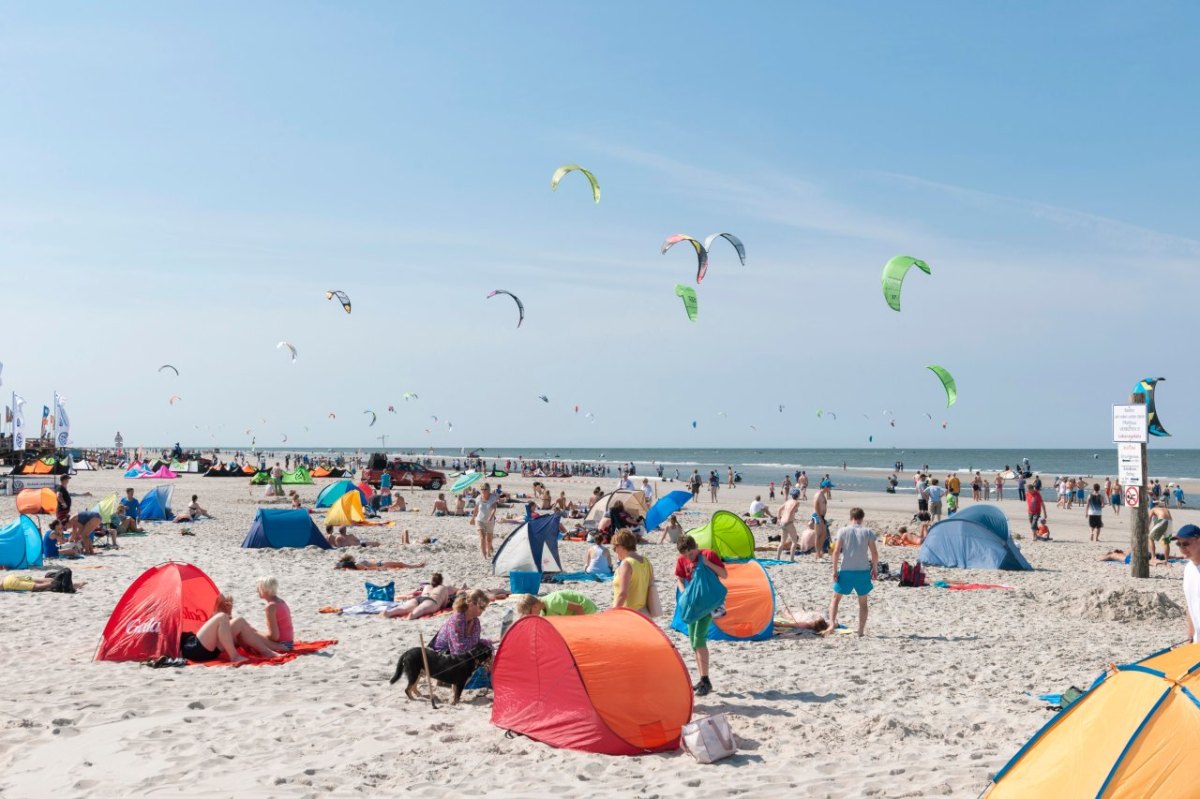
x: 445, y: 668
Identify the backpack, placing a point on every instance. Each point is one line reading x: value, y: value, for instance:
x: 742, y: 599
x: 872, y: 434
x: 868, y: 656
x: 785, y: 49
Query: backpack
x: 911, y: 576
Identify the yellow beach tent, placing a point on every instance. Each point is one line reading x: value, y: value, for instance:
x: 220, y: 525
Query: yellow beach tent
x: 1133, y: 735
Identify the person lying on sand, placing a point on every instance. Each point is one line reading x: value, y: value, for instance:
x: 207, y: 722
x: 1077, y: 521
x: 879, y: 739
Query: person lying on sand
x: 349, y: 562
x: 344, y: 539
x: 903, y: 538
x: 1115, y: 555
x: 430, y: 599
x: 27, y: 582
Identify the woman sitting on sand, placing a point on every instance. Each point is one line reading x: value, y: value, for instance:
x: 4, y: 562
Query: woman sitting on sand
x: 671, y: 530
x: 430, y: 599
x: 440, y: 508
x: 462, y: 631
x: 344, y: 539
x: 348, y: 562
x: 599, y: 559
x: 399, y: 505
x: 460, y: 506
x: 295, y: 499
x: 222, y: 633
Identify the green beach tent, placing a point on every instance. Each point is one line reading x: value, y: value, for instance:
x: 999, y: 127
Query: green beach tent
x: 727, y: 535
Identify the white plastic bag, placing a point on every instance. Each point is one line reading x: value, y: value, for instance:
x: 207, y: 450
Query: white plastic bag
x: 709, y: 739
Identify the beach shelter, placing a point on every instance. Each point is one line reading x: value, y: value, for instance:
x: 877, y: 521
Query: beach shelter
x: 633, y: 501
x: 665, y: 506
x: 276, y: 528
x: 107, y: 508
x: 1132, y: 735
x: 157, y: 608
x: 531, y: 547
x: 609, y: 683
x: 974, y: 538
x: 20, y: 545
x: 335, y: 491
x: 749, y: 606
x: 365, y: 489
x: 34, y: 501
x: 297, y: 477
x: 727, y: 534
x: 156, y: 505
x: 347, y: 510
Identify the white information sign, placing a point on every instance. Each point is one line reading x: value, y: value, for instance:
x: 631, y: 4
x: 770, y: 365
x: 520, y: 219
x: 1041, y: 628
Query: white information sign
x: 1129, y: 464
x: 1129, y: 424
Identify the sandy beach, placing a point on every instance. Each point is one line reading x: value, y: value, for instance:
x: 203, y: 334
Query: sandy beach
x: 931, y: 702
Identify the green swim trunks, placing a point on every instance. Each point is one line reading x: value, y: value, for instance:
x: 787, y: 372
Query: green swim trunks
x: 698, y: 633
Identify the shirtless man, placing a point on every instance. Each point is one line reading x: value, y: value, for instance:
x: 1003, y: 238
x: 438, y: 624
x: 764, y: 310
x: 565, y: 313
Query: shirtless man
x: 1160, y: 530
x: 820, y: 507
x: 802, y: 484
x: 431, y: 599
x: 787, y: 519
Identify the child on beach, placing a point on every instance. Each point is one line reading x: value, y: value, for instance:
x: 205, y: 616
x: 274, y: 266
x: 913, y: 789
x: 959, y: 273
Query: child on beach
x: 851, y: 547
x: 279, y: 615
x: 691, y: 557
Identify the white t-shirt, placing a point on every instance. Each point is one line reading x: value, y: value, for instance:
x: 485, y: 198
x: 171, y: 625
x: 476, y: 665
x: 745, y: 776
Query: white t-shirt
x: 1191, y: 594
x: 648, y: 492
x: 757, y: 507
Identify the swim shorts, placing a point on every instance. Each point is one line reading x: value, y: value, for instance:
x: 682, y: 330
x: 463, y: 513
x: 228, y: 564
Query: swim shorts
x: 857, y: 581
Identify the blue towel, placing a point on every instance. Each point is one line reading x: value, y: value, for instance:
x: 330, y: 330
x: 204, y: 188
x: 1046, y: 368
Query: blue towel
x: 773, y: 562
x: 580, y: 577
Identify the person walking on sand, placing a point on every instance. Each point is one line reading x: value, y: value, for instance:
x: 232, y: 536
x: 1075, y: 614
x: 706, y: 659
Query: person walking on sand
x: 802, y: 484
x: 859, y: 566
x: 1188, y: 539
x: 934, y: 493
x: 731, y: 481
x: 820, y: 507
x: 1160, y: 530
x: 485, y: 518
x: 1095, y: 512
x: 691, y: 557
x: 1035, y: 506
x: 787, y: 520
x: 714, y: 485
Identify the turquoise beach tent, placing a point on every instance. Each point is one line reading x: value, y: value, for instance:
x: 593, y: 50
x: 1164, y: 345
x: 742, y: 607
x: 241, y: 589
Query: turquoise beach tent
x: 156, y: 505
x: 275, y: 528
x: 20, y: 545
x: 974, y: 538
x: 335, y: 491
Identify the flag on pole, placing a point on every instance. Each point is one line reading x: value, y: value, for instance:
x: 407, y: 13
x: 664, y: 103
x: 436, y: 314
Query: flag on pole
x: 45, y: 420
x: 62, y: 423
x: 18, y: 423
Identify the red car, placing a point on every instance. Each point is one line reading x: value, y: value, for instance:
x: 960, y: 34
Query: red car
x: 407, y: 473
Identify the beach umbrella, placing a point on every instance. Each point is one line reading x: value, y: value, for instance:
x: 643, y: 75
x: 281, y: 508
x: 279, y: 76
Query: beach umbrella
x: 470, y: 479
x: 669, y: 504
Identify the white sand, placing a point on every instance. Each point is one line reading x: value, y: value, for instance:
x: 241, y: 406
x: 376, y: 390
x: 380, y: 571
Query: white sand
x: 930, y: 703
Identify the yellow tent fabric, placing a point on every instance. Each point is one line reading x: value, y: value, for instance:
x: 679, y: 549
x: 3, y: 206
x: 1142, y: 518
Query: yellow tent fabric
x: 1131, y: 736
x: 347, y: 510
x: 106, y: 507
x: 727, y: 535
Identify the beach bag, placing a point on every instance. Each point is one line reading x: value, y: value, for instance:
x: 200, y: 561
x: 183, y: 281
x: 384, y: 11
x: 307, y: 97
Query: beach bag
x: 386, y: 593
x: 704, y: 594
x: 708, y: 739
x: 911, y: 576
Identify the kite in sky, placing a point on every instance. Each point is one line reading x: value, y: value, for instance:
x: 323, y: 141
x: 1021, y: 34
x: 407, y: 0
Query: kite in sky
x: 1147, y: 386
x: 543, y: 398
x: 285, y: 438
x: 174, y: 398
x: 283, y: 344
x: 732, y: 239
x: 701, y: 252
x: 893, y: 277
x: 781, y: 409
x: 688, y: 295
x: 169, y: 366
x: 693, y: 424
x: 517, y: 300
x: 391, y: 409
x: 407, y: 395
x: 947, y: 383
x: 374, y: 418
x: 565, y: 168
x: 332, y: 415
x: 342, y: 297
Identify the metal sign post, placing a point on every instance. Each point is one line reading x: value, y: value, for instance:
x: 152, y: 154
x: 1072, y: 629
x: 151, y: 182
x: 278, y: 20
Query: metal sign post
x: 1130, y: 433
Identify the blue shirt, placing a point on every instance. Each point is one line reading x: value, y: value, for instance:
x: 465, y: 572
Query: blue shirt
x: 130, y: 507
x: 385, y: 480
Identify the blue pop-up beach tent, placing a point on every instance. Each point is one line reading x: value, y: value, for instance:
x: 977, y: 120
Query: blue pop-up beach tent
x: 276, y: 528
x: 335, y: 491
x: 156, y: 505
x: 532, y: 547
x: 974, y: 538
x: 20, y: 545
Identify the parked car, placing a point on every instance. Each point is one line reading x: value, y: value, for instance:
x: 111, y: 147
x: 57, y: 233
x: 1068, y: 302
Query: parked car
x: 404, y: 474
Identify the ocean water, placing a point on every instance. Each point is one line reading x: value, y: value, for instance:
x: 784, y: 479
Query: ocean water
x: 761, y: 466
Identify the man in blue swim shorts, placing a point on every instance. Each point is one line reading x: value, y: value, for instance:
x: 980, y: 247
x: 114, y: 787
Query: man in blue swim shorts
x: 855, y: 552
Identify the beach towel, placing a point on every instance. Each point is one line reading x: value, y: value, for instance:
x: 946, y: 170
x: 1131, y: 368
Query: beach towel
x: 969, y: 586
x: 369, y: 607
x: 580, y: 577
x: 300, y: 648
x: 773, y: 562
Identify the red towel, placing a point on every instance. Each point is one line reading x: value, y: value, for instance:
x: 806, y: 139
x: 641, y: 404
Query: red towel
x: 300, y: 648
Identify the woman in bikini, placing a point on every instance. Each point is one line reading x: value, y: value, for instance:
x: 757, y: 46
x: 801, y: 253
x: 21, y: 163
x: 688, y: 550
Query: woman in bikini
x: 348, y: 562
x: 431, y: 599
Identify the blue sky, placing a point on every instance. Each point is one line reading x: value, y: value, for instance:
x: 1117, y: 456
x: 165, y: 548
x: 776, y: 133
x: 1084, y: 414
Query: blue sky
x: 181, y: 184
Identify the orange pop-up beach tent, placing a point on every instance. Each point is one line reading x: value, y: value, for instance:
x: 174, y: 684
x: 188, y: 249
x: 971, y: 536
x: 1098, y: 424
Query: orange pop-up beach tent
x: 609, y: 683
x: 33, y: 501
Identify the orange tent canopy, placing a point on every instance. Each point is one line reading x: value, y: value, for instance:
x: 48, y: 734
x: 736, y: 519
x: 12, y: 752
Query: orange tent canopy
x: 33, y: 501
